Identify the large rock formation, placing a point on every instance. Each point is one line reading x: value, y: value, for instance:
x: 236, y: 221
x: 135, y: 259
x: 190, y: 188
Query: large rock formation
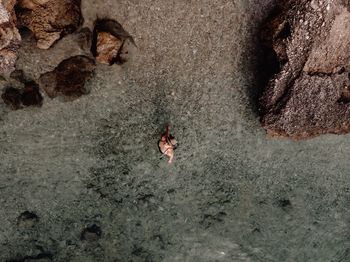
x: 9, y: 36
x: 310, y: 94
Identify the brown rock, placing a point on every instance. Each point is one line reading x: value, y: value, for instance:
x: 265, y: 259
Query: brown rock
x: 49, y: 20
x: 31, y: 95
x: 107, y: 48
x: 331, y: 55
x: 109, y: 44
x: 27, y: 96
x: 19, y: 76
x: 10, y: 38
x: 12, y: 97
x: 69, y: 77
x: 310, y: 94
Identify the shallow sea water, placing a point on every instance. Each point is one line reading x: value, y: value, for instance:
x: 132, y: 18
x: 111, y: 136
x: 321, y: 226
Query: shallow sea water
x: 232, y: 194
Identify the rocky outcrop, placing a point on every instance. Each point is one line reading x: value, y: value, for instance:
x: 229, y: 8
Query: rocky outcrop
x: 49, y: 20
x: 310, y: 93
x: 10, y: 38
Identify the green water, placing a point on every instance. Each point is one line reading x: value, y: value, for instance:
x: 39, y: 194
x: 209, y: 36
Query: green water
x: 232, y: 194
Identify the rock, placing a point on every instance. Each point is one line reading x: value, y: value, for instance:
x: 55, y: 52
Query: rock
x: 27, y: 219
x: 308, y: 95
x: 110, y: 42
x: 49, y: 20
x: 10, y: 38
x: 91, y: 233
x: 19, y: 76
x: 68, y: 78
x: 18, y: 98
x: 331, y: 55
x: 107, y: 48
x: 12, y: 97
x: 31, y: 95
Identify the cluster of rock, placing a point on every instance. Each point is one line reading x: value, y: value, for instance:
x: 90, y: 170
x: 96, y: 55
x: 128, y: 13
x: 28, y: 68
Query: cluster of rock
x: 69, y: 52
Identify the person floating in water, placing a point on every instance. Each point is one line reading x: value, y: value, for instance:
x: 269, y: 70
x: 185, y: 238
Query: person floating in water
x: 167, y: 144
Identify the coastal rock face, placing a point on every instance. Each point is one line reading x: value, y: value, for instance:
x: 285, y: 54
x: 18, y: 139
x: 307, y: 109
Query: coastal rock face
x: 10, y: 38
x: 310, y: 93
